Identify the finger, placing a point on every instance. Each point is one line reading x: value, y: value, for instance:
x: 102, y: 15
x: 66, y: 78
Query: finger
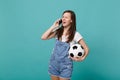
x: 58, y: 20
x: 73, y: 58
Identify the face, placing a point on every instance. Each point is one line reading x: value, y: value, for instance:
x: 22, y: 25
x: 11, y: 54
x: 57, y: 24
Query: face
x: 66, y: 19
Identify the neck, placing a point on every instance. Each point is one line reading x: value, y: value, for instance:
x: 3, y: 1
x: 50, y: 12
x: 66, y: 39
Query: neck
x: 65, y: 30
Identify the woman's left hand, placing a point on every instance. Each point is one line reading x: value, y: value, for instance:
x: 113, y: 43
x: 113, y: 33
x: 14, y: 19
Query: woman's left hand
x: 77, y: 58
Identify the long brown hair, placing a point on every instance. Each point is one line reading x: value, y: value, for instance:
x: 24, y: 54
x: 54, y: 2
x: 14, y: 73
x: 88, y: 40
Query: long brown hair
x: 72, y: 29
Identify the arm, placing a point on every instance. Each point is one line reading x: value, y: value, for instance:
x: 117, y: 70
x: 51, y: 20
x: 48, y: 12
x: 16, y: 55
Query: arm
x: 86, y: 49
x: 49, y: 33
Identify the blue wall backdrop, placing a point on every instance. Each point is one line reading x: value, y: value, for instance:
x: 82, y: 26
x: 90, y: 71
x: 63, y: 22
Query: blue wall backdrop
x: 24, y: 56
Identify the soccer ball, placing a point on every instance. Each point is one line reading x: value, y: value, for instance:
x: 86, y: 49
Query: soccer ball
x: 76, y: 50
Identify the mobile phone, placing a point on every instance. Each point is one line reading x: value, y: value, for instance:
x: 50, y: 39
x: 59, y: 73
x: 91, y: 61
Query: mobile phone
x: 60, y: 21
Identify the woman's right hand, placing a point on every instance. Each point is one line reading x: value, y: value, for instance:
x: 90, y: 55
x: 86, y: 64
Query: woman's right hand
x: 56, y: 24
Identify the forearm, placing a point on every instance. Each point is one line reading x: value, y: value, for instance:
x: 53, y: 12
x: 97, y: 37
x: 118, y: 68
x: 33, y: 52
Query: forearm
x: 50, y: 32
x: 47, y: 33
x: 86, y: 49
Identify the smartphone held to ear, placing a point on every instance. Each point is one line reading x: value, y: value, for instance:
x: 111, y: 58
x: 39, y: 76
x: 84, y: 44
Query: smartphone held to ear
x: 60, y: 24
x: 60, y: 21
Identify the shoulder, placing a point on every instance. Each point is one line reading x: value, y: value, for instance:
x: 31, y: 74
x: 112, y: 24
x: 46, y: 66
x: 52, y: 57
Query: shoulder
x: 77, y: 36
x: 77, y: 33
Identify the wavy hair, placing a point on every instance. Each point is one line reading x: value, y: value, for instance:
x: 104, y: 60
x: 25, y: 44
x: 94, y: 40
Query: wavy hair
x: 71, y: 30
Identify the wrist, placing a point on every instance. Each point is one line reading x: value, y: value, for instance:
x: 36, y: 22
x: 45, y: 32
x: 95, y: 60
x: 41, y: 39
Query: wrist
x: 52, y: 27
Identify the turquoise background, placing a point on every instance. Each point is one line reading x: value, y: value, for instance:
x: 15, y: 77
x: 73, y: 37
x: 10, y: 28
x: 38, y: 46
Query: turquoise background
x: 24, y: 56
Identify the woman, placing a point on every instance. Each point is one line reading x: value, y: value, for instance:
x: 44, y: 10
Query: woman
x: 61, y: 66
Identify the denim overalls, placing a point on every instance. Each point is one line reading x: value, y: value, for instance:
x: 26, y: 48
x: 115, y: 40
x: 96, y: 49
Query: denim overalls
x: 60, y: 65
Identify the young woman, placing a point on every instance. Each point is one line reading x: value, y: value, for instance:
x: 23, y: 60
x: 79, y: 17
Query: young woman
x: 60, y: 66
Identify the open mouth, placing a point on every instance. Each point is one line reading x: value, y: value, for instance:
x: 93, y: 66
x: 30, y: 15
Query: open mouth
x: 63, y: 22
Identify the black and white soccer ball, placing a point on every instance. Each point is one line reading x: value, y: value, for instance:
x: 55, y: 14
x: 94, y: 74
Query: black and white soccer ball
x: 76, y: 50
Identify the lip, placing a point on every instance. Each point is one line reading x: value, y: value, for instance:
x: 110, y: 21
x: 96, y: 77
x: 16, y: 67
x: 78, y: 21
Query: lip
x: 63, y: 22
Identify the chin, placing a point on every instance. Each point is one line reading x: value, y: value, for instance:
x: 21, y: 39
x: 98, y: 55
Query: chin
x: 66, y: 25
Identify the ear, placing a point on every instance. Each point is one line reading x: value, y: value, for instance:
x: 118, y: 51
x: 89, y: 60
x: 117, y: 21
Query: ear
x: 71, y: 21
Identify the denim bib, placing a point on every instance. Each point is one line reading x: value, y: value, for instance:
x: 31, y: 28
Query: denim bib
x: 60, y: 65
